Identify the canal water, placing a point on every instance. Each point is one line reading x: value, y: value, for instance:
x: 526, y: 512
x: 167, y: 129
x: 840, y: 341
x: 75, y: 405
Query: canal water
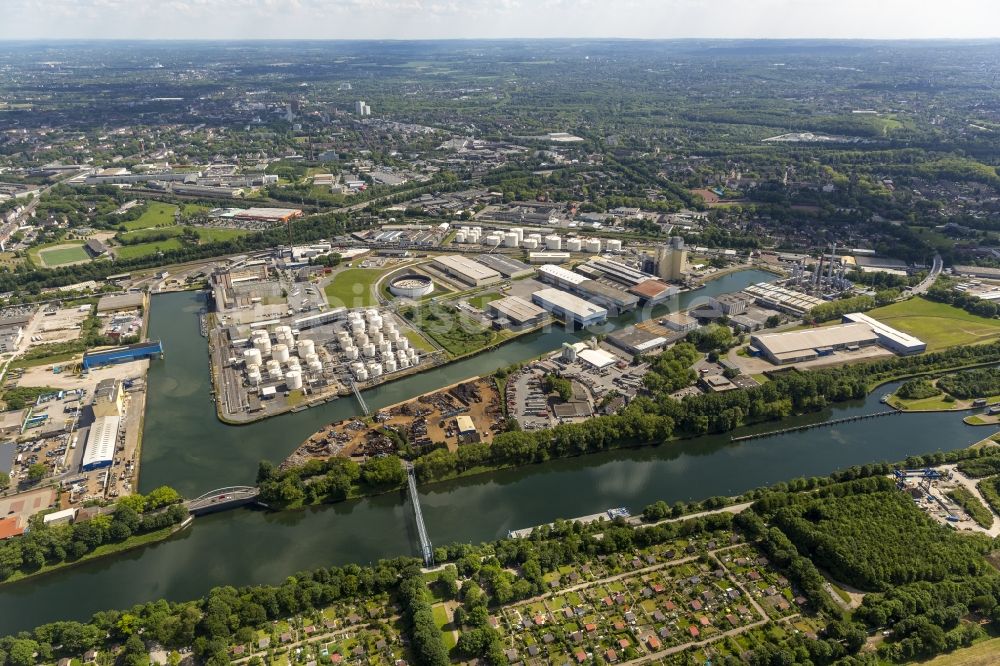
x: 185, y: 445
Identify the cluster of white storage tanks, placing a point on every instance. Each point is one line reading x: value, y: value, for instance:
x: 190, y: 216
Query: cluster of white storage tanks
x: 515, y: 237
x: 471, y: 235
x: 280, y: 353
x: 374, y: 345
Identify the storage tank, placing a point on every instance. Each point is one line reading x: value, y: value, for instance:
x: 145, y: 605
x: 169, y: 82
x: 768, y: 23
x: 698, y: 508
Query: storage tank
x: 553, y: 242
x: 357, y: 328
x: 280, y: 353
x: 460, y: 237
x: 574, y: 244
x: 536, y: 237
x: 263, y: 345
x: 343, y: 339
x: 293, y: 364
x: 530, y: 244
x: 352, y: 353
x: 311, y: 357
x: 520, y: 233
x: 361, y: 375
x: 361, y: 340
x: 306, y: 347
x: 370, y: 314
x: 614, y: 245
x: 403, y: 363
x: 377, y: 337
x: 510, y: 239
x: 293, y: 380
x: 592, y: 245
x: 375, y: 369
x: 273, y: 370
x: 390, y: 365
x: 493, y: 240
x: 368, y: 350
x: 253, y: 374
x: 252, y: 356
x: 315, y: 366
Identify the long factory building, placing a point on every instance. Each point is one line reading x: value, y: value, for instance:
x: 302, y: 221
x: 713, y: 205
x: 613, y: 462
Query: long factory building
x: 612, y: 299
x: 572, y: 309
x: 466, y: 270
x: 858, y: 331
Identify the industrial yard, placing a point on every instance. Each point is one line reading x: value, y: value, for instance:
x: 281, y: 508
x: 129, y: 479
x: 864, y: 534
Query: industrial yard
x: 466, y: 412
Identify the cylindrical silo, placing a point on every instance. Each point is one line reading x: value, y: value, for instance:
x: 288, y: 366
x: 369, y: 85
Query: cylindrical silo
x: 574, y: 244
x: 252, y: 356
x: 253, y: 374
x: 293, y: 380
x: 369, y: 350
x: 389, y: 365
x: 592, y: 245
x: 614, y: 245
x: 280, y: 353
x: 315, y: 366
x: 460, y: 237
x: 403, y: 343
x: 273, y: 370
x: 306, y: 347
x: 375, y: 369
x: 530, y: 244
x: 553, y: 242
x: 510, y: 239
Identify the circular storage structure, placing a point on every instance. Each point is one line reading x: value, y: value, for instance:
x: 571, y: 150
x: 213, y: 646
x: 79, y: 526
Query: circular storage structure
x: 411, y: 285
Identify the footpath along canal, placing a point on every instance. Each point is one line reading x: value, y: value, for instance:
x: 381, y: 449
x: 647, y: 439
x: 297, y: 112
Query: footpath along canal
x: 185, y: 446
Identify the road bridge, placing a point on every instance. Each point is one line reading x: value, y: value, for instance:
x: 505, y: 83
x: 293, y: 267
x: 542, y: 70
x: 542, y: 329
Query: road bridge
x: 426, y: 549
x: 222, y: 499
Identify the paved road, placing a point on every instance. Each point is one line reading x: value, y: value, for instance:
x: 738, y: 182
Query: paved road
x: 928, y: 281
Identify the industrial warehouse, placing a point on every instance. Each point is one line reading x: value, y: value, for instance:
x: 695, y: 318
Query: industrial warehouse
x: 515, y: 312
x: 859, y: 331
x: 466, y: 270
x: 614, y: 300
x: 571, y: 309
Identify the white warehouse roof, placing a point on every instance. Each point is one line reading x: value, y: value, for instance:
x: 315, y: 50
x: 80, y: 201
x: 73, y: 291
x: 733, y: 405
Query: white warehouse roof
x: 561, y: 274
x: 101, y: 442
x: 904, y: 340
x: 568, y: 303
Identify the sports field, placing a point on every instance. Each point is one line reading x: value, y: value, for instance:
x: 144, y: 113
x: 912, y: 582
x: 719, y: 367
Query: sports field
x: 60, y: 255
x: 938, y: 324
x: 157, y: 214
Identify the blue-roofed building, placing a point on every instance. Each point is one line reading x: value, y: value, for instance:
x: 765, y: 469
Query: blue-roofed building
x: 124, y: 354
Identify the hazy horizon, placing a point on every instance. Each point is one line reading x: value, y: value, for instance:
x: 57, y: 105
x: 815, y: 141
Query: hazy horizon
x: 419, y: 20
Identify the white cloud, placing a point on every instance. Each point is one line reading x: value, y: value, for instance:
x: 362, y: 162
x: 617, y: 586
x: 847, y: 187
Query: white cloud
x: 417, y: 19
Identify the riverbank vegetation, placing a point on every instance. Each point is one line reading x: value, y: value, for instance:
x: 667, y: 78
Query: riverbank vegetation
x: 133, y: 521
x: 976, y: 383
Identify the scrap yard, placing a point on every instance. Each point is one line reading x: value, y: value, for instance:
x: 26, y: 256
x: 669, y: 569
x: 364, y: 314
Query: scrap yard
x: 467, y: 412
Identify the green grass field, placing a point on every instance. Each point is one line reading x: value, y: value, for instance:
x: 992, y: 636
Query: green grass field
x: 157, y: 214
x: 481, y: 300
x: 453, y: 331
x: 938, y: 324
x: 60, y: 254
x: 981, y: 654
x: 146, y: 249
x: 352, y: 288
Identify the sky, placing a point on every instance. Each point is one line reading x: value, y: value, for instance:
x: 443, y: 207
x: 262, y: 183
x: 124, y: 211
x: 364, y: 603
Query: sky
x: 471, y: 19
